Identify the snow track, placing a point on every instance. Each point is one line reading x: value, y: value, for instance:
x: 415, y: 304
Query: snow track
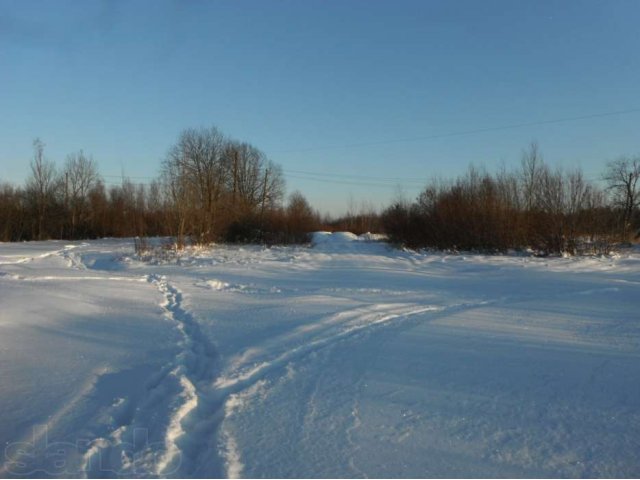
x: 182, y: 390
x: 157, y: 430
x: 191, y: 424
x: 197, y: 427
x: 20, y: 259
x: 359, y: 321
x: 334, y: 361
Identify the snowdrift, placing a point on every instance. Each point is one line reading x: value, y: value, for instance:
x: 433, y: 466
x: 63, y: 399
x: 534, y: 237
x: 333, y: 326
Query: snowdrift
x: 347, y: 242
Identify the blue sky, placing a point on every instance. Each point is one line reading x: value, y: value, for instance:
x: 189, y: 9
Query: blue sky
x: 354, y: 90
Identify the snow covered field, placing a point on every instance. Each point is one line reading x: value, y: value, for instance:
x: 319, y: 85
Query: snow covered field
x: 348, y: 359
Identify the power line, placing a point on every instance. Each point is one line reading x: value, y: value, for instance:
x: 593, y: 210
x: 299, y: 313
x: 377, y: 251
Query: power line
x: 353, y: 183
x: 364, y: 177
x: 463, y: 132
x: 353, y: 179
x: 135, y: 184
x: 129, y: 176
x: 306, y: 175
x: 337, y: 179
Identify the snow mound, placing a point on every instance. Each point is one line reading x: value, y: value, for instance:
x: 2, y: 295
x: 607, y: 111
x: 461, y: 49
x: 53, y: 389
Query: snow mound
x: 338, y: 242
x: 320, y: 238
x: 217, y: 285
x: 373, y: 237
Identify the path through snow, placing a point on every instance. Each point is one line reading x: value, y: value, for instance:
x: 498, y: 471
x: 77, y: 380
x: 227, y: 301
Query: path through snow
x: 346, y: 359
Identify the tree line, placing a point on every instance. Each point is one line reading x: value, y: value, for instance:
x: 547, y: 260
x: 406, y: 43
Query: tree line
x: 214, y: 188
x: 549, y: 211
x: 211, y: 188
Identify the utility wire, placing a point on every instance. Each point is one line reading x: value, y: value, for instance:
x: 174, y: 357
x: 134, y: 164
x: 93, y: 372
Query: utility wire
x: 129, y: 176
x: 336, y: 179
x: 350, y: 179
x: 381, y: 184
x: 354, y: 183
x: 463, y: 132
x: 304, y: 174
x: 353, y: 176
x: 391, y: 182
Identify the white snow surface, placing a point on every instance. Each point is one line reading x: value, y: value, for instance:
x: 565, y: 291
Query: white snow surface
x: 344, y: 359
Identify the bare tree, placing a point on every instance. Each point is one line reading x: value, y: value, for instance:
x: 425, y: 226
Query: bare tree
x: 196, y: 169
x: 12, y: 217
x: 272, y: 189
x: 156, y: 208
x: 208, y: 183
x: 301, y: 219
x: 245, y: 166
x: 532, y: 171
x: 98, y: 210
x: 80, y: 175
x: 622, y: 179
x: 177, y: 194
x: 536, y: 207
x: 41, y: 186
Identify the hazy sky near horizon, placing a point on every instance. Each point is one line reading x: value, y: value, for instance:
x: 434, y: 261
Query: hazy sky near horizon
x: 363, y: 93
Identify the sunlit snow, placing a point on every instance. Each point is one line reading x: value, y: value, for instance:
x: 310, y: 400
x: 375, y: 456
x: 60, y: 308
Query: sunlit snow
x: 347, y: 358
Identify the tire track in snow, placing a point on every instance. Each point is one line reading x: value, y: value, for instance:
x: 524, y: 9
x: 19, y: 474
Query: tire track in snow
x: 238, y: 387
x: 21, y: 260
x: 62, y: 252
x: 196, y: 440
x: 54, y: 278
x: 368, y: 319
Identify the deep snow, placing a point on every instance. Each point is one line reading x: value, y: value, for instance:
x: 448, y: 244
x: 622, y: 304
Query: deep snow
x: 346, y: 359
